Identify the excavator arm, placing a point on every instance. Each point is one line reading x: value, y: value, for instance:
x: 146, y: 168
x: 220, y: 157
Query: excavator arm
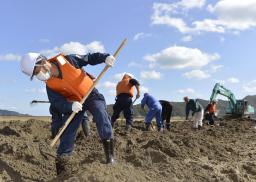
x: 221, y: 90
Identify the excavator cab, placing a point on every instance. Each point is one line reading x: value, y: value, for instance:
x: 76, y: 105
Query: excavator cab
x: 248, y: 110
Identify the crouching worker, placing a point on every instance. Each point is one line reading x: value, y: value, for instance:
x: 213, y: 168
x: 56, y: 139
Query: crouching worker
x: 66, y: 84
x: 210, y: 111
x: 155, y: 110
x: 197, y: 112
x: 166, y: 113
x: 124, y: 92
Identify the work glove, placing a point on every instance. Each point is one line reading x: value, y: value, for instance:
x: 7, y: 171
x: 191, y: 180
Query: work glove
x: 77, y: 106
x: 110, y: 60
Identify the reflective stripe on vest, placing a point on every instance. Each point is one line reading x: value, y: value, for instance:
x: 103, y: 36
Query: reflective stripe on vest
x: 124, y: 87
x: 74, y: 84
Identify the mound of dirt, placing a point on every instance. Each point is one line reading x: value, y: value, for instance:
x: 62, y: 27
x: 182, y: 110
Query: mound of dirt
x: 221, y: 153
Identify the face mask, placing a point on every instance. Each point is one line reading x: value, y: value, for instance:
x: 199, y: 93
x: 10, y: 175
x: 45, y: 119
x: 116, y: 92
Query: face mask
x: 43, y: 76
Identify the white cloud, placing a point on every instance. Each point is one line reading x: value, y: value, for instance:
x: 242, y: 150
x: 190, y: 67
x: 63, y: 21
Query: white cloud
x: 10, y: 57
x: 76, y: 48
x: 250, y: 87
x: 119, y: 76
x: 233, y: 80
x: 231, y: 16
x: 215, y: 68
x: 197, y: 74
x: 181, y: 57
x: 190, y: 4
x: 109, y: 85
x: 150, y: 75
x: 186, y: 91
x: 235, y: 14
x: 111, y: 92
x: 162, y: 16
x: 187, y: 38
x: 141, y: 35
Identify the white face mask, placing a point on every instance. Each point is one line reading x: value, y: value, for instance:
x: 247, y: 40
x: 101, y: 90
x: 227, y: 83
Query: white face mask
x: 43, y: 76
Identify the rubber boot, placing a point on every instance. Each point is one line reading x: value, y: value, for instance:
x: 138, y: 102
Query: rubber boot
x: 109, y: 150
x: 168, y: 127
x: 63, y: 165
x: 147, y: 127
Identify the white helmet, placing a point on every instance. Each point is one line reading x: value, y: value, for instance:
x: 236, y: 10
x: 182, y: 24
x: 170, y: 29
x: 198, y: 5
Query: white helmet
x: 129, y: 74
x: 28, y: 62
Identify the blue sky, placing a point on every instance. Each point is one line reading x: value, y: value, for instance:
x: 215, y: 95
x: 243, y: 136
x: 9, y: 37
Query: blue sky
x: 175, y: 48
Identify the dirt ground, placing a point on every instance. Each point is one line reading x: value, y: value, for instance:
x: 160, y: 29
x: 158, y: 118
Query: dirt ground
x: 221, y: 153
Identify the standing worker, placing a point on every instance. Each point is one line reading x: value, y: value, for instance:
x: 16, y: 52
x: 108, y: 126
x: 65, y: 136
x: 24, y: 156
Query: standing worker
x: 124, y: 94
x: 197, y: 112
x: 210, y: 111
x: 166, y: 113
x: 155, y: 110
x: 66, y: 84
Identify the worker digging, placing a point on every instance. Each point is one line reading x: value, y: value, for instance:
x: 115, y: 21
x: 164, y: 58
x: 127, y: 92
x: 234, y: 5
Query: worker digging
x: 197, y: 110
x: 124, y: 95
x: 166, y: 114
x: 155, y: 110
x: 66, y: 84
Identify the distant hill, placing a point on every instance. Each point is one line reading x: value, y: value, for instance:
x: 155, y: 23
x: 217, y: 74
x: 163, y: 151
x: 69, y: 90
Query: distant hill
x: 179, y: 107
x: 11, y: 113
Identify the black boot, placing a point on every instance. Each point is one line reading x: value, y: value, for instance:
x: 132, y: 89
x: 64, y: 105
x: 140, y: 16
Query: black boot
x: 147, y: 127
x: 168, y: 127
x: 64, y: 165
x: 109, y: 150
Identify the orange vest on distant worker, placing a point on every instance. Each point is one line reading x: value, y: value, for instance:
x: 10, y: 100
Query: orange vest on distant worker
x: 74, y: 84
x: 212, y: 108
x: 124, y: 87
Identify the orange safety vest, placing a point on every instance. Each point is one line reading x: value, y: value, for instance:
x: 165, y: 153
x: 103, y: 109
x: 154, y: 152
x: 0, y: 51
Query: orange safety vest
x: 74, y: 84
x: 212, y: 108
x: 124, y: 86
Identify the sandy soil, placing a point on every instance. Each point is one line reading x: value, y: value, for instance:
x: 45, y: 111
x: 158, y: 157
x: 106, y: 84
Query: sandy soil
x: 220, y: 153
